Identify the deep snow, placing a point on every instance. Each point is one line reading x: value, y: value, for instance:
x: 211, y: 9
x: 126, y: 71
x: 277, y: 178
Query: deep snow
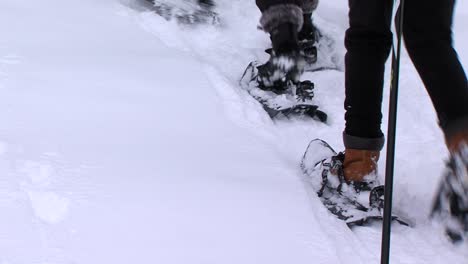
x: 126, y: 139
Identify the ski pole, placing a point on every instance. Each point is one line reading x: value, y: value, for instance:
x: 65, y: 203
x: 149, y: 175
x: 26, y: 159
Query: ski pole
x: 391, y: 134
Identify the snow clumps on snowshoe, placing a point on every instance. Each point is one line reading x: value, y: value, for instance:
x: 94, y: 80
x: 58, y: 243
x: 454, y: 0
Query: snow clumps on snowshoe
x: 280, y: 96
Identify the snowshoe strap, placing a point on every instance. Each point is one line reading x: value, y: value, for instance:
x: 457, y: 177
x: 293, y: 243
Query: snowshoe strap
x: 335, y: 166
x: 376, y: 197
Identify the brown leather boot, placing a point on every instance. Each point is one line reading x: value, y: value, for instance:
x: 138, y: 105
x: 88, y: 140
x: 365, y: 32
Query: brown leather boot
x: 360, y: 163
x: 455, y: 141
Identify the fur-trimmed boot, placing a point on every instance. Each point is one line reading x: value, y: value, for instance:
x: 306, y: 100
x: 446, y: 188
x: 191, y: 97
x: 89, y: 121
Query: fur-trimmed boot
x: 287, y: 62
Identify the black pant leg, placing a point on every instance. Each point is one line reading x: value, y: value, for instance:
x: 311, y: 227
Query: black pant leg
x: 428, y: 38
x: 368, y: 42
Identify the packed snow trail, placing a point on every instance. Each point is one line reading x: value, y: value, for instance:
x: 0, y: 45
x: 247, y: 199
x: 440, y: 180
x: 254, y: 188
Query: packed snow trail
x: 126, y: 139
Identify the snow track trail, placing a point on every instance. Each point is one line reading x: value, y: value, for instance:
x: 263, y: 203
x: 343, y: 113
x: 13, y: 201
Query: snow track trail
x: 125, y: 138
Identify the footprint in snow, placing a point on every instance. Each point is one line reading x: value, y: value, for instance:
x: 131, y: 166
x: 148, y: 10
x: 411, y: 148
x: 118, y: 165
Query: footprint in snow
x: 47, y: 205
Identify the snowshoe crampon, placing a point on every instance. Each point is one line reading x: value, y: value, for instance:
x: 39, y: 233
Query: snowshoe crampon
x: 356, y: 204
x: 284, y: 97
x: 451, y: 201
x: 186, y: 11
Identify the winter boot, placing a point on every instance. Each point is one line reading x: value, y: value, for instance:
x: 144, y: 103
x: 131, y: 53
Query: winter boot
x: 360, y: 165
x: 309, y: 31
x: 308, y: 38
x: 286, y: 63
x: 451, y: 202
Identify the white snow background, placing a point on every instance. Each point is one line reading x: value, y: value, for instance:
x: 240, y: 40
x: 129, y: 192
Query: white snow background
x: 125, y: 138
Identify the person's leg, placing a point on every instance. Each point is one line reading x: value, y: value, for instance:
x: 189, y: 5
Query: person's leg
x: 368, y: 42
x: 428, y: 38
x: 289, y: 23
x: 277, y: 12
x: 282, y: 20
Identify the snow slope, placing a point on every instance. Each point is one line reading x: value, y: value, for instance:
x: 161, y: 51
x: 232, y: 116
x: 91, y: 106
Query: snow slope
x: 126, y: 139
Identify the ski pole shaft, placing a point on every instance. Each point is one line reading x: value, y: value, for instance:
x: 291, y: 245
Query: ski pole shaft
x: 391, y: 134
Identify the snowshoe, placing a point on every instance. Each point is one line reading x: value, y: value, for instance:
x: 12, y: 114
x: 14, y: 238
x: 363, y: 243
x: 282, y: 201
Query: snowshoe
x: 451, y: 202
x: 357, y: 204
x: 187, y: 11
x: 279, y: 91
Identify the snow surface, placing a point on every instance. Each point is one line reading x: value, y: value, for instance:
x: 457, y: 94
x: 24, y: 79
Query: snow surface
x: 125, y: 138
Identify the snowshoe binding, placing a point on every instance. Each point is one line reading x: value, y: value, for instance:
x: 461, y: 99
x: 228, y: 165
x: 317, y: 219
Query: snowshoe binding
x: 357, y: 204
x: 187, y: 11
x: 276, y: 86
x: 451, y: 201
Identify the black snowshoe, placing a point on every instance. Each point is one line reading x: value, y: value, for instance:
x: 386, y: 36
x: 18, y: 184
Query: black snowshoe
x: 187, y: 11
x: 358, y: 204
x: 451, y: 202
x: 276, y: 86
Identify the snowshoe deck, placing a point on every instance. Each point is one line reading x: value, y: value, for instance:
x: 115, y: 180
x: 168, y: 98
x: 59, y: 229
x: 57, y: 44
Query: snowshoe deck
x: 357, y: 206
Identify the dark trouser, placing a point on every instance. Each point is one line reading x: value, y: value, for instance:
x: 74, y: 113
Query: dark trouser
x: 428, y: 38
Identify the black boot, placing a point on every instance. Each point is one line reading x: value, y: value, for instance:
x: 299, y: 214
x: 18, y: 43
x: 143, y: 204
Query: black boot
x: 286, y: 63
x: 284, y: 39
x: 309, y: 31
x: 308, y: 38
